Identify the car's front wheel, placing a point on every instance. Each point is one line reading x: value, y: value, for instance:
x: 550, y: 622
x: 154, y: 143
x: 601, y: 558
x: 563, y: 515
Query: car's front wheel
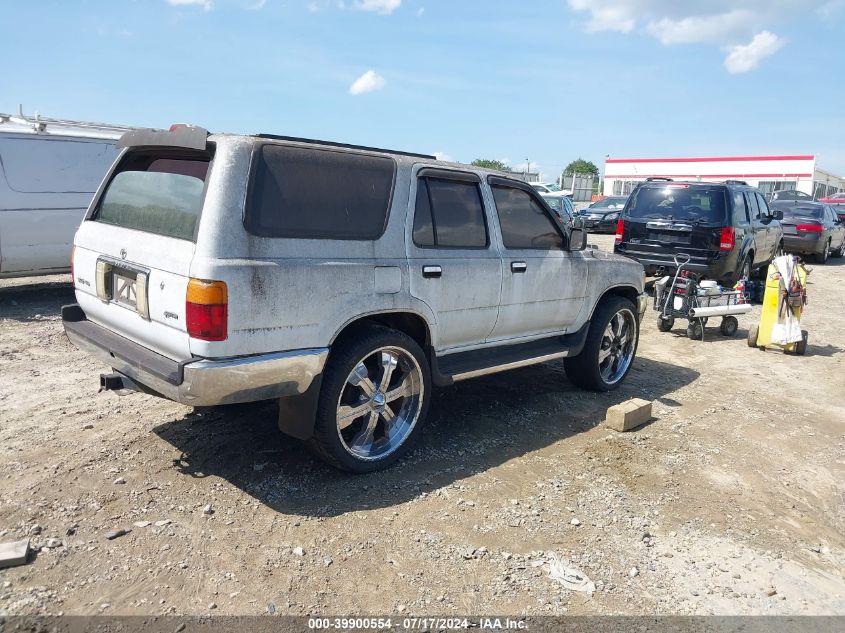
x: 373, y: 400
x: 610, y: 347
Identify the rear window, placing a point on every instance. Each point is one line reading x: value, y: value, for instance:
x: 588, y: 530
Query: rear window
x: 802, y: 212
x: 315, y: 193
x: 678, y: 202
x: 156, y: 194
x: 609, y: 203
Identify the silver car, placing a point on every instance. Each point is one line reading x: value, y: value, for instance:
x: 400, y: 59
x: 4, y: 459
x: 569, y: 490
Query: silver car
x: 346, y: 282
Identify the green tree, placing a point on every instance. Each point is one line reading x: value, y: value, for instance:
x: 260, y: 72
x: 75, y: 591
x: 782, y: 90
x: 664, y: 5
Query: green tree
x: 488, y: 163
x: 581, y: 166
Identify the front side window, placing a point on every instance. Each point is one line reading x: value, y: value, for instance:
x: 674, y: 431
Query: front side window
x: 302, y: 192
x: 523, y: 220
x: 753, y: 208
x: 449, y: 214
x: 156, y: 194
x: 761, y: 203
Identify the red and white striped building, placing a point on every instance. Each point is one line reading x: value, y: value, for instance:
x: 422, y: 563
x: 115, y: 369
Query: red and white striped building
x: 767, y: 173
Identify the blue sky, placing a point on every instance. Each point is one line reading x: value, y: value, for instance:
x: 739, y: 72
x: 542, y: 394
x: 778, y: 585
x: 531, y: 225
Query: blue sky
x: 507, y: 79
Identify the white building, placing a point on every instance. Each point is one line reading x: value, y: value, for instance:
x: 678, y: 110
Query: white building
x: 767, y: 173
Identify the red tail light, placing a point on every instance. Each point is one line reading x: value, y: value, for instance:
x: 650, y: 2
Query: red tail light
x: 620, y: 230
x: 207, y: 310
x: 727, y: 238
x: 809, y: 228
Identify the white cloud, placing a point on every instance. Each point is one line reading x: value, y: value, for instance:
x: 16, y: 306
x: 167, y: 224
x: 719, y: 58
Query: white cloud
x: 607, y: 15
x: 743, y: 28
x: 368, y: 82
x: 257, y: 5
x: 444, y: 156
x: 205, y: 4
x: 377, y: 6
x: 420, y: 11
x: 745, y: 57
x: 702, y: 28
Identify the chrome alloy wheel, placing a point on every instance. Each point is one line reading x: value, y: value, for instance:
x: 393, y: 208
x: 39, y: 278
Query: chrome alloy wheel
x: 617, y: 346
x: 380, y: 403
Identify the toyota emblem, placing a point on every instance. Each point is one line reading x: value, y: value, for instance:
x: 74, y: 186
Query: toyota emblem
x: 123, y: 253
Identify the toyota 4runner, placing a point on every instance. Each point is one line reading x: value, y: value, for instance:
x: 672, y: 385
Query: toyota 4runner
x: 343, y: 281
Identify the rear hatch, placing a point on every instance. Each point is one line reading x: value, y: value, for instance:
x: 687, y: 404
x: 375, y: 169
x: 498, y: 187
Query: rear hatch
x: 132, y: 255
x: 663, y: 220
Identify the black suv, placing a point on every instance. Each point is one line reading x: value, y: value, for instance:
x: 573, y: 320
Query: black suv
x: 726, y: 228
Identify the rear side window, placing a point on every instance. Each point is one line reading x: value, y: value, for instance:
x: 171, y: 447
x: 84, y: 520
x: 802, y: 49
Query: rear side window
x: 679, y: 202
x: 524, y: 222
x: 753, y: 208
x: 301, y: 192
x: 156, y: 194
x: 740, y: 210
x: 449, y: 214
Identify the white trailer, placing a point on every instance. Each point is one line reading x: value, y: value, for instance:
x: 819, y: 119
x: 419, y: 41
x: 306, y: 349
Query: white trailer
x: 49, y: 171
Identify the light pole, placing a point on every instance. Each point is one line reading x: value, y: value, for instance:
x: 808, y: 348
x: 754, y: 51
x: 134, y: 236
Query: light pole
x: 527, y: 168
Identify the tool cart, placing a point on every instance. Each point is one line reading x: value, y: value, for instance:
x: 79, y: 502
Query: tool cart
x: 686, y: 296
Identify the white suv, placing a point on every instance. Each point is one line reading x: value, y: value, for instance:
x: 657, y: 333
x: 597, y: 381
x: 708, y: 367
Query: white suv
x: 344, y: 281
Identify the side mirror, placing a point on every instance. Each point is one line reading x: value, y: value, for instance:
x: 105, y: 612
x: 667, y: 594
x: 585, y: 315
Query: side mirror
x: 777, y: 214
x: 577, y: 235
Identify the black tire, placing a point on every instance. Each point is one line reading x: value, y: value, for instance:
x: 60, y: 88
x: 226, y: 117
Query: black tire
x: 585, y: 369
x: 821, y: 258
x: 665, y: 324
x: 695, y: 330
x: 744, y: 271
x: 327, y: 442
x: 729, y: 326
x: 753, y: 333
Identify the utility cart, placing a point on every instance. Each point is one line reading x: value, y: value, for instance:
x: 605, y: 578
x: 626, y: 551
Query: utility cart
x: 686, y: 296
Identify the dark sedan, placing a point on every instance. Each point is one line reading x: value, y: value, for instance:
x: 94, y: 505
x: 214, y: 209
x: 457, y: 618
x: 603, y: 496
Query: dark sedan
x: 601, y: 216
x: 812, y: 228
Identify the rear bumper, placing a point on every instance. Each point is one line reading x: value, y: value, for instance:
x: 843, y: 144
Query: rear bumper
x: 720, y: 268
x: 197, y: 381
x: 803, y: 244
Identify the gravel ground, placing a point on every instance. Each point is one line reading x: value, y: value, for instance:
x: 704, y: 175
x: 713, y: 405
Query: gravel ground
x: 731, y: 501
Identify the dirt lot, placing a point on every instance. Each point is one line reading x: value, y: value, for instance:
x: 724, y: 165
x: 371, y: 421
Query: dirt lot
x: 731, y: 501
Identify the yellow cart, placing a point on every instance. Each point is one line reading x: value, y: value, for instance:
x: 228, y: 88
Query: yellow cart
x: 761, y: 335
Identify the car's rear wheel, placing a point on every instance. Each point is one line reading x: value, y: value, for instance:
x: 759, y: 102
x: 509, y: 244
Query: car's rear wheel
x: 373, y: 400
x: 744, y: 271
x: 610, y: 347
x: 821, y: 257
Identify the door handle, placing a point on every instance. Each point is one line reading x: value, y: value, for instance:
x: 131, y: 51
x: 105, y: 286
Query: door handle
x: 518, y: 267
x: 432, y: 272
